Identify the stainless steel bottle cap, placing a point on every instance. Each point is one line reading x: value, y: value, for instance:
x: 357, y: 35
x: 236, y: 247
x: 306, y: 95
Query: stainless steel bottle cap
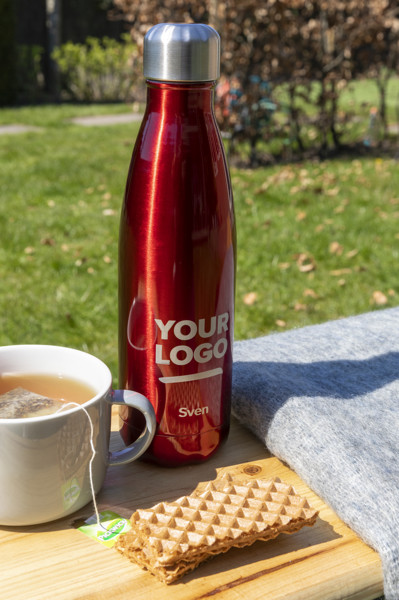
x: 182, y: 52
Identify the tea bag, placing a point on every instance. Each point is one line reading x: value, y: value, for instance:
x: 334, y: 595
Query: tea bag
x: 21, y: 404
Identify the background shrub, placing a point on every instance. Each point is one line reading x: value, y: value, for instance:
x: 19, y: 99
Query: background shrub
x: 101, y: 70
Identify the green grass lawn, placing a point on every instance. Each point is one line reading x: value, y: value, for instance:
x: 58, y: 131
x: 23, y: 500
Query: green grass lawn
x: 316, y: 241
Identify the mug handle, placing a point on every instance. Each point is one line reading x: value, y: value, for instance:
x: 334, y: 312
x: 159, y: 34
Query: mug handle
x: 141, y: 403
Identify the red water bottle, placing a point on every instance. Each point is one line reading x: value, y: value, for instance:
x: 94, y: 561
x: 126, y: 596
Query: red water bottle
x: 177, y: 253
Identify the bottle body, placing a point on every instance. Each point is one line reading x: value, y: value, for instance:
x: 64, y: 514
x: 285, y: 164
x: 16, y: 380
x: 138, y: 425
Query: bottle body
x: 177, y: 276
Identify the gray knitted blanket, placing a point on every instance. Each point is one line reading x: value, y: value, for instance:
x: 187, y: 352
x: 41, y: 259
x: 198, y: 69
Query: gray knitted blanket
x: 325, y: 399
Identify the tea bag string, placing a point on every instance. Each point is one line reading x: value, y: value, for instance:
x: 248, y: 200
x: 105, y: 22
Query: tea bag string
x: 93, y: 454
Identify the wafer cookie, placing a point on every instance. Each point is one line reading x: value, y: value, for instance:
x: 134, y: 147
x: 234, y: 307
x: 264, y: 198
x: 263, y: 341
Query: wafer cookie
x: 172, y: 538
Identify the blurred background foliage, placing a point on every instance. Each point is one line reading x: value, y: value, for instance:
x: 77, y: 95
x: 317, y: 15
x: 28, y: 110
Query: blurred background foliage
x: 287, y: 63
x: 288, y: 66
x: 100, y: 70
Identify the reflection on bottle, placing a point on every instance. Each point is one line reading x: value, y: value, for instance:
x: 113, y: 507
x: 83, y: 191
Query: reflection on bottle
x: 139, y: 326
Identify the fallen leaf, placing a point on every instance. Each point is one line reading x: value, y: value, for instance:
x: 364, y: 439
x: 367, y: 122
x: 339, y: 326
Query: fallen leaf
x: 352, y: 253
x: 299, y: 306
x: 107, y: 259
x: 301, y: 215
x: 305, y: 262
x: 29, y: 250
x: 281, y: 323
x: 339, y: 272
x: 263, y: 188
x: 381, y: 213
x: 307, y: 182
x: 336, y: 248
x: 379, y: 298
x: 310, y: 293
x: 250, y: 298
x: 109, y: 212
x: 332, y: 191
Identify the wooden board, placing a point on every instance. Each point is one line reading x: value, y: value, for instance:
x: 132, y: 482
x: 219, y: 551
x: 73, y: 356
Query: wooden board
x: 325, y: 562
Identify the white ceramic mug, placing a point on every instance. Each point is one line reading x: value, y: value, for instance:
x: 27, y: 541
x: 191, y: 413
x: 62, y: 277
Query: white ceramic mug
x: 45, y: 461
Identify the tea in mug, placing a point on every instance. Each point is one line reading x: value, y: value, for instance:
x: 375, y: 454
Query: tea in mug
x: 24, y: 395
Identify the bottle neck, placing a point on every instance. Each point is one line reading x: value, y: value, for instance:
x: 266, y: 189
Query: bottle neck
x: 180, y: 96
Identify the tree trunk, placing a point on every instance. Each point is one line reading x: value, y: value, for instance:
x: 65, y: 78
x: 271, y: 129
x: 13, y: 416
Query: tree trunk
x: 53, y: 24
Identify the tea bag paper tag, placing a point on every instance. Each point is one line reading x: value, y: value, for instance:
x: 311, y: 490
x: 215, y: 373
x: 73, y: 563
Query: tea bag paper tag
x: 110, y: 528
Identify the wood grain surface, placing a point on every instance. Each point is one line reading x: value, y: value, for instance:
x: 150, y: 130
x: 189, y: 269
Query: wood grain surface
x: 324, y: 562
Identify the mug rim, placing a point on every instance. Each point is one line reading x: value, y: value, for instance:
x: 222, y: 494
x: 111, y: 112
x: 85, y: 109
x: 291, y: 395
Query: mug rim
x: 69, y: 411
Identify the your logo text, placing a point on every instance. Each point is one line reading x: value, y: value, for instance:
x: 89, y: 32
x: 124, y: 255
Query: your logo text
x: 182, y: 354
